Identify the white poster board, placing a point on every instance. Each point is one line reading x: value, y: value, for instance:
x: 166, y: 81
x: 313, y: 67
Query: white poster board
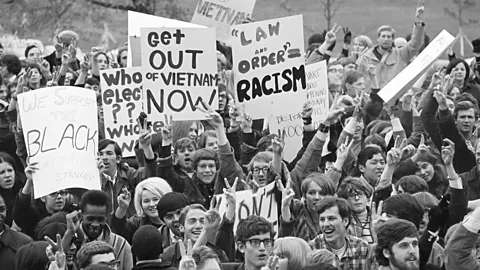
x: 262, y: 203
x: 405, y: 79
x: 60, y: 127
x: 268, y: 63
x: 137, y: 21
x: 122, y: 103
x: 221, y: 14
x: 179, y: 67
x: 317, y: 96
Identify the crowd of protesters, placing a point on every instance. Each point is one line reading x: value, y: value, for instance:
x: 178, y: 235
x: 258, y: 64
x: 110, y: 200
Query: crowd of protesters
x: 399, y: 188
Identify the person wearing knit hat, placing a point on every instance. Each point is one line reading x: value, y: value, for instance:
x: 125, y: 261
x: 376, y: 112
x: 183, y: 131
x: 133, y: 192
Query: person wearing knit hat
x: 96, y: 252
x: 169, y: 208
x: 145, y: 246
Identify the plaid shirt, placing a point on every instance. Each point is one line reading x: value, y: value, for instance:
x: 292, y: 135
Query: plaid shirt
x: 355, y: 255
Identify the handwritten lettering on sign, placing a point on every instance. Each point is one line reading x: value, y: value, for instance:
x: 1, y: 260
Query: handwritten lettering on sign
x: 65, y: 141
x: 262, y: 203
x: 221, y: 14
x: 268, y: 64
x: 122, y: 103
x: 316, y: 96
x: 180, y: 69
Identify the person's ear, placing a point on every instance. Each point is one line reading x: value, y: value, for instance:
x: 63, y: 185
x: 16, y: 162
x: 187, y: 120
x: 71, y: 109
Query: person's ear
x: 361, y: 168
x: 241, y: 246
x: 44, y: 199
x: 181, y: 228
x: 345, y: 221
x: 119, y: 159
x: 386, y: 253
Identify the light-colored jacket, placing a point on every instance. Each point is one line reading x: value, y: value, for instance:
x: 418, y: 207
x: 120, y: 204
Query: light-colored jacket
x: 394, y: 61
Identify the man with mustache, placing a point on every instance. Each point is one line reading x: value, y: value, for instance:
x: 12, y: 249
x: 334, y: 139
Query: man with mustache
x: 397, y: 246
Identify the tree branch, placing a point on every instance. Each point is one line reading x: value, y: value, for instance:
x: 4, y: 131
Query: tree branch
x: 112, y: 6
x: 335, y: 9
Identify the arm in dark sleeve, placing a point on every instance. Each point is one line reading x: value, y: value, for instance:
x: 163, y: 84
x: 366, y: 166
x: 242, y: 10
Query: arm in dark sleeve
x: 458, y: 206
x: 125, y: 227
x: 406, y: 118
x: 225, y: 239
x: 428, y: 119
x: 25, y: 215
x: 167, y: 172
x: 235, y: 140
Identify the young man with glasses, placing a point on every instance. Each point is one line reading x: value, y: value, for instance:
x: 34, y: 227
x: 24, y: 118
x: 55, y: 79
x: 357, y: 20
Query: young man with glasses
x: 92, y: 222
x: 334, y: 214
x: 358, y: 193
x: 97, y: 252
x: 255, y: 241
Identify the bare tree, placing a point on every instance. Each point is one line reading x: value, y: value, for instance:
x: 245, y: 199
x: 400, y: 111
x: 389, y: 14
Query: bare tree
x: 166, y: 8
x: 330, y: 8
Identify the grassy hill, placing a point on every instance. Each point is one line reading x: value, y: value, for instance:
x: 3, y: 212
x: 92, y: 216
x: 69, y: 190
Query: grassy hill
x: 361, y: 16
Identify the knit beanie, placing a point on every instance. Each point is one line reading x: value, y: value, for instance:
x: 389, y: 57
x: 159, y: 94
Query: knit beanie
x: 170, y: 202
x: 147, y: 243
x: 404, y: 206
x: 51, y: 226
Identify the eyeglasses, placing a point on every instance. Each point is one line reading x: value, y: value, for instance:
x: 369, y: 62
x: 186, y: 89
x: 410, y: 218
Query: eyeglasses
x: 354, y: 195
x: 265, y: 170
x: 113, y: 264
x: 62, y: 193
x: 256, y: 242
x: 336, y: 71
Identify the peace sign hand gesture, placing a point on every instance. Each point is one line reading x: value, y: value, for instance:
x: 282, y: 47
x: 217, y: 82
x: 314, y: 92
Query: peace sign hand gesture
x: 278, y: 143
x: 212, y: 116
x: 448, y: 151
x: 58, y: 259
x: 343, y: 150
x: 287, y: 192
x: 230, y: 191
x: 271, y: 263
x: 187, y: 262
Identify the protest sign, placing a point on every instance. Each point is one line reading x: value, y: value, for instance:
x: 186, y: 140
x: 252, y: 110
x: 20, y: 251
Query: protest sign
x: 220, y: 14
x: 61, y: 133
x: 137, y: 20
x: 262, y: 203
x: 317, y: 97
x: 405, y: 79
x: 179, y: 67
x: 268, y: 64
x: 122, y: 103
x: 135, y: 52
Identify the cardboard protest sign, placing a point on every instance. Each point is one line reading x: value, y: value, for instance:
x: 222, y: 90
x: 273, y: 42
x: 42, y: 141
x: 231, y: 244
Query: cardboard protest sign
x: 179, y: 67
x: 262, y: 203
x: 122, y: 103
x: 221, y: 14
x: 292, y: 123
x: 405, y: 79
x: 61, y: 133
x: 134, y: 52
x: 268, y: 64
x: 137, y: 20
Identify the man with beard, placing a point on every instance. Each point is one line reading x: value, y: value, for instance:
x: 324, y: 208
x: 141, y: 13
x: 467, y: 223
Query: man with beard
x: 91, y: 222
x: 169, y: 209
x: 397, y: 246
x: 389, y: 60
x: 334, y: 215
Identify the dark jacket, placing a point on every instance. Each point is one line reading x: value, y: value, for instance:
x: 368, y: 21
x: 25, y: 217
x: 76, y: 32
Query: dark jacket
x: 10, y: 242
x: 9, y: 196
x: 464, y: 159
x: 471, y: 181
x: 127, y: 227
x: 303, y: 223
x: 152, y: 265
x: 126, y: 178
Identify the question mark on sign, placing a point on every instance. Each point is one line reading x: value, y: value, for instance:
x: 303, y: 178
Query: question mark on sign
x: 116, y: 109
x: 130, y: 108
x: 287, y: 45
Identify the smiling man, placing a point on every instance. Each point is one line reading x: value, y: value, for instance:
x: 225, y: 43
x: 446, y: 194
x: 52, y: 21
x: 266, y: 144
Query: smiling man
x: 169, y: 209
x: 334, y: 214
x: 397, y: 247
x: 95, y: 208
x: 371, y: 163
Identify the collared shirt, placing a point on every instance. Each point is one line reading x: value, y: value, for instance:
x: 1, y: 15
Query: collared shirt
x: 355, y: 255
